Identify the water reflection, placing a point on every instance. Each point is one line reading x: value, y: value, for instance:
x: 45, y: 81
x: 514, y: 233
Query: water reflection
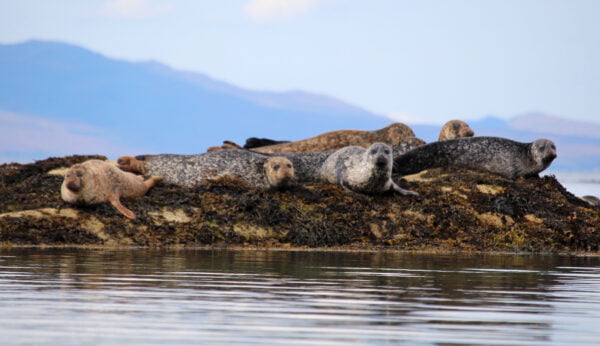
x: 187, y: 296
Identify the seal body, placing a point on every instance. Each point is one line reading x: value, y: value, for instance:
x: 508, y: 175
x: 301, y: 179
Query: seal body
x: 455, y: 129
x: 255, y: 169
x: 392, y: 135
x: 502, y: 156
x: 591, y: 200
x: 362, y: 170
x: 97, y: 181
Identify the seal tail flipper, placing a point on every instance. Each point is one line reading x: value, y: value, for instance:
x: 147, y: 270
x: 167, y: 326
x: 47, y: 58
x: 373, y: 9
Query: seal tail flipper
x: 402, y: 191
x: 131, y: 164
x: 115, y: 202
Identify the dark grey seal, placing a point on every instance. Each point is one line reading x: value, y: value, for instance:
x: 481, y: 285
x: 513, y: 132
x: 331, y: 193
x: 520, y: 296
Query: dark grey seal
x: 502, y: 156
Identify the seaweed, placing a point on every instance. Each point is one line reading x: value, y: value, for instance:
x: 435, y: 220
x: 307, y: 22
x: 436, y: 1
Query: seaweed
x: 456, y: 209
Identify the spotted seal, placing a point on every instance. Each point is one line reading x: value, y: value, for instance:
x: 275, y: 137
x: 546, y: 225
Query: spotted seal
x: 96, y: 181
x: 455, y: 129
x: 256, y: 170
x: 392, y: 134
x: 362, y: 170
x: 502, y: 156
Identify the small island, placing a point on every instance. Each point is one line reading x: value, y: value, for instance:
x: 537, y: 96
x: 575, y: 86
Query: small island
x: 456, y: 210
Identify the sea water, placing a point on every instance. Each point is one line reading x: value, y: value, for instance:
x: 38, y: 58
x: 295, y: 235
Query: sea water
x: 213, y: 297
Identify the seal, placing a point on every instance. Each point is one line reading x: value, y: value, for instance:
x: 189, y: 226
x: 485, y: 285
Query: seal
x: 362, y: 170
x: 96, y: 181
x: 255, y: 169
x: 502, y: 156
x: 591, y: 200
x: 392, y: 135
x: 455, y: 129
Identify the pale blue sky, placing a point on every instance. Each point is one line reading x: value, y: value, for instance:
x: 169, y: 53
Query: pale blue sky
x: 419, y: 61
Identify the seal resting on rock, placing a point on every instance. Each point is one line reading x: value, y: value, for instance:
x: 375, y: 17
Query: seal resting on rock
x: 256, y: 170
x: 96, y: 181
x: 362, y: 170
x: 591, y: 200
x: 392, y: 134
x: 502, y: 156
x: 455, y: 129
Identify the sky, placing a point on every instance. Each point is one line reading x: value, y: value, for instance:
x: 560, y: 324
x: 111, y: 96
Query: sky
x: 422, y: 61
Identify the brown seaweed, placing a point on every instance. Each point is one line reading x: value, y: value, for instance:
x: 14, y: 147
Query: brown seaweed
x: 457, y: 209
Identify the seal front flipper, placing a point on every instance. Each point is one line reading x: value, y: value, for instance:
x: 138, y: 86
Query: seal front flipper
x: 153, y: 180
x: 404, y: 192
x: 114, y: 200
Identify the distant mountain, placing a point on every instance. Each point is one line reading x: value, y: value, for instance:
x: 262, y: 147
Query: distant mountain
x: 60, y: 99
x: 149, y: 107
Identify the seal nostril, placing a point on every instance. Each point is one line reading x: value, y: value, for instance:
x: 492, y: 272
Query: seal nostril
x: 73, y: 186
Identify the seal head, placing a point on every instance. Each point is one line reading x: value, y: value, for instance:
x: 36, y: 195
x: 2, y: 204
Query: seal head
x: 74, y: 178
x: 455, y: 129
x: 279, y: 171
x: 543, y: 152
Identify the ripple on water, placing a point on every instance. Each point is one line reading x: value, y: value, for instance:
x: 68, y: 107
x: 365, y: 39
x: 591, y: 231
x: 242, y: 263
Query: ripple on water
x: 140, y: 296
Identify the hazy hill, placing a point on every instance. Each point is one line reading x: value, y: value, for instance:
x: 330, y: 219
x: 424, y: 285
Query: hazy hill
x: 60, y: 99
x: 150, y: 107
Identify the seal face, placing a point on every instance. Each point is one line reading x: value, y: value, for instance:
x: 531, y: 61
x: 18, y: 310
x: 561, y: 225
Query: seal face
x: 455, y: 129
x: 279, y: 171
x: 543, y: 152
x: 362, y: 170
x: 96, y: 181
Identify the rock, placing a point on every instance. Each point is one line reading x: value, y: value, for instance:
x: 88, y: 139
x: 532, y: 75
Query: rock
x: 457, y: 210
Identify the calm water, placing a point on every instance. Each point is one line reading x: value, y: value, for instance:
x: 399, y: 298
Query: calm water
x: 75, y: 296
x: 580, y: 183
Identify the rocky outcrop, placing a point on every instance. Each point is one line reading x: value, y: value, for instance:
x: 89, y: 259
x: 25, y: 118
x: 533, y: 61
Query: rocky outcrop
x: 456, y: 210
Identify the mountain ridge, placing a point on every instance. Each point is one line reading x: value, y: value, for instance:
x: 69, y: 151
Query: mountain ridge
x: 69, y: 99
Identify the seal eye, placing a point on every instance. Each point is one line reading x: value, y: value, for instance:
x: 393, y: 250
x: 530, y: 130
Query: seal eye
x: 276, y: 167
x: 79, y: 174
x: 373, y: 151
x: 387, y: 152
x: 289, y: 165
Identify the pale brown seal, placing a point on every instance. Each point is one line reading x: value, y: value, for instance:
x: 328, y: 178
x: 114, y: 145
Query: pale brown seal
x: 455, y: 129
x: 392, y: 134
x: 362, y: 170
x: 255, y: 169
x: 502, y: 156
x: 96, y: 181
